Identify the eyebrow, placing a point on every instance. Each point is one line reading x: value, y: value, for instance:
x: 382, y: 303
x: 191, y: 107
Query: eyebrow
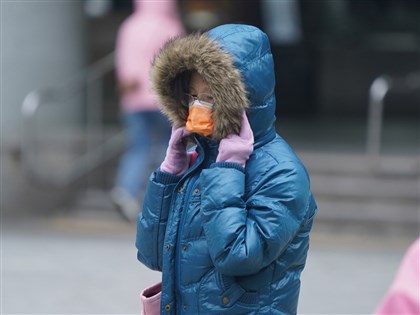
x: 206, y: 91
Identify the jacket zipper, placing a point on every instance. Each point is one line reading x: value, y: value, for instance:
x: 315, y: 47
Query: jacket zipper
x: 190, y: 184
x: 186, y: 183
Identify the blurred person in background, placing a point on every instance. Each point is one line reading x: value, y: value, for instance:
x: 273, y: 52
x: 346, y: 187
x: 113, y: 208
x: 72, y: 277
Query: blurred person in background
x: 403, y: 296
x: 139, y: 39
x: 228, y: 221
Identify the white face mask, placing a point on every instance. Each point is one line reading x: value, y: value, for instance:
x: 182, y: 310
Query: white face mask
x: 202, y: 104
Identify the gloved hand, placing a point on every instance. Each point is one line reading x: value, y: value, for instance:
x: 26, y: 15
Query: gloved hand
x: 237, y: 149
x: 176, y: 161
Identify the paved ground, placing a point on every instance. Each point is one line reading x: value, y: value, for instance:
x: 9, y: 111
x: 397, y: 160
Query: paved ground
x: 85, y: 263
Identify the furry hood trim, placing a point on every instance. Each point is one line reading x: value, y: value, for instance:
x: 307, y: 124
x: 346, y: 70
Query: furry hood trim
x: 200, y: 53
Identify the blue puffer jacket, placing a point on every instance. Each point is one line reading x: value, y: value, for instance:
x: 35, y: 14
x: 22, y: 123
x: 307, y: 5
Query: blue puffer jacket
x: 228, y: 239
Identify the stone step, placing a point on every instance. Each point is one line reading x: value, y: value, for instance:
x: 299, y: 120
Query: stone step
x: 406, y: 189
x: 349, y: 163
x: 362, y: 213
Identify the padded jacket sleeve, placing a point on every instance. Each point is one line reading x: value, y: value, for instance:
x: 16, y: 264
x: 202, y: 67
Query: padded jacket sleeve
x: 151, y: 223
x: 244, y: 236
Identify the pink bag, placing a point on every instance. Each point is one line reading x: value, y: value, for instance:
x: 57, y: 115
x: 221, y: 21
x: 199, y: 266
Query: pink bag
x: 403, y: 295
x: 150, y: 300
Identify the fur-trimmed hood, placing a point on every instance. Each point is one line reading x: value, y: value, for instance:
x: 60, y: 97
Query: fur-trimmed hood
x: 236, y: 63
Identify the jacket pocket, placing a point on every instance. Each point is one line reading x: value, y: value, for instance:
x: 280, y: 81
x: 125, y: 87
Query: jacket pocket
x: 218, y: 294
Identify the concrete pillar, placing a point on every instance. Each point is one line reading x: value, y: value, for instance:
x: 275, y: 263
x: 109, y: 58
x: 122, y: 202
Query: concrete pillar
x: 42, y: 44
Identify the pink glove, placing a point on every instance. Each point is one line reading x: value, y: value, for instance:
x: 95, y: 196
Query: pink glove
x: 237, y: 149
x: 176, y: 160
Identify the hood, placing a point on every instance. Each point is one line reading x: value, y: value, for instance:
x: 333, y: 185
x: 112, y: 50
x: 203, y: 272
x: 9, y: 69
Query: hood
x: 237, y: 64
x: 153, y: 7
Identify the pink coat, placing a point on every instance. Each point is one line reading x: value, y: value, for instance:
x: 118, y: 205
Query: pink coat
x: 140, y: 37
x: 403, y: 296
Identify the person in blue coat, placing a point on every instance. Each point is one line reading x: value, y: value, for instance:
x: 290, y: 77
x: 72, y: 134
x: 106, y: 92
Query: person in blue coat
x: 226, y: 219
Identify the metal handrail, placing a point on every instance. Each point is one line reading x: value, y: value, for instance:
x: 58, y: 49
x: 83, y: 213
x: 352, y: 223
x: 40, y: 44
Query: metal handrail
x: 378, y: 91
x: 94, y: 72
x: 91, y: 80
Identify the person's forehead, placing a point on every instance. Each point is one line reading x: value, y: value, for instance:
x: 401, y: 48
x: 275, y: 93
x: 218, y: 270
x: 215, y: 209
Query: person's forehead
x: 197, y: 82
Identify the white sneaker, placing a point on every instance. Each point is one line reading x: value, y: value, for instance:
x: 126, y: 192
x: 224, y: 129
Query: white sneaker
x: 126, y: 205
